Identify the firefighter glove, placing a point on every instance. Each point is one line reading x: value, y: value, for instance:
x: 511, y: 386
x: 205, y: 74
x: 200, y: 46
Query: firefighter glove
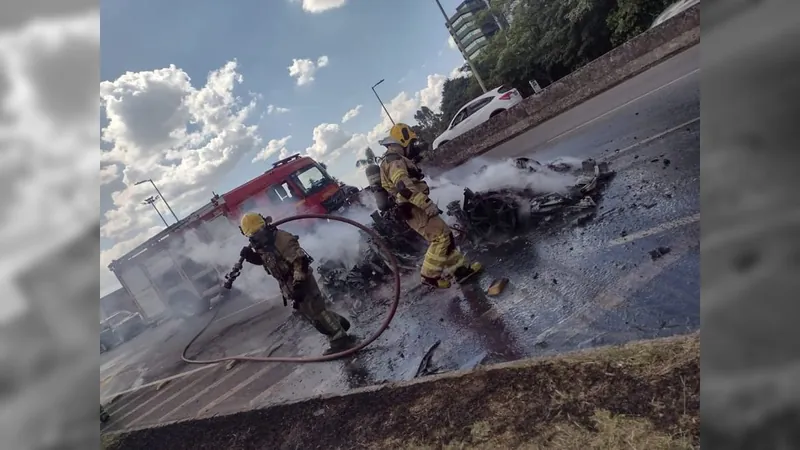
x: 431, y: 210
x: 250, y: 255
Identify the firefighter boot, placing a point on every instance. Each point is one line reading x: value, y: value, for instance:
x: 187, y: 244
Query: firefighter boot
x: 437, y: 283
x: 465, y: 273
x: 342, y: 321
x: 340, y: 342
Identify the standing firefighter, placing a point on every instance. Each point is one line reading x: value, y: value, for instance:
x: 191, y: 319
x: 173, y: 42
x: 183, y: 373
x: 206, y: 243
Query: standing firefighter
x: 400, y: 177
x: 280, y: 254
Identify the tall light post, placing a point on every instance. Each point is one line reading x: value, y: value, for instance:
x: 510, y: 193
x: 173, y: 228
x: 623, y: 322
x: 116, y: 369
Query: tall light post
x: 461, y: 48
x: 380, y: 101
x: 149, y: 180
x: 152, y: 202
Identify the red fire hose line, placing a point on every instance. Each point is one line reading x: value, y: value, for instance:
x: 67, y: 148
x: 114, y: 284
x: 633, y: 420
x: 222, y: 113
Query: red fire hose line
x: 308, y: 359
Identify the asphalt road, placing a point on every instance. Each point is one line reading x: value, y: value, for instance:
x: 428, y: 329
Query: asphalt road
x: 570, y: 287
x: 666, y: 96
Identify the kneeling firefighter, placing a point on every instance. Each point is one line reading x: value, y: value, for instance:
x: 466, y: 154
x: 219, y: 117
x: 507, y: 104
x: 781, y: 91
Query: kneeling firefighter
x: 399, y: 176
x: 280, y: 254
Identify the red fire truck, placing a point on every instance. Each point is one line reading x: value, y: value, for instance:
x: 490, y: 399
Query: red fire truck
x: 164, y: 281
x: 294, y: 185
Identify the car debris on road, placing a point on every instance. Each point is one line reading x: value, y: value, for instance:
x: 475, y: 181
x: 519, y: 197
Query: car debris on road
x: 489, y: 214
x: 480, y: 217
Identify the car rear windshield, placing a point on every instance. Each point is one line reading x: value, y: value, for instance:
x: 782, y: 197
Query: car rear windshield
x: 503, y: 89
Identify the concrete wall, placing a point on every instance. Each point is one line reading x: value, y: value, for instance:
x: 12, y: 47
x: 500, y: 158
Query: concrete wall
x: 620, y: 64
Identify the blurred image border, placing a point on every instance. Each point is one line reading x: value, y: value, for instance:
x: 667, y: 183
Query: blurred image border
x: 749, y: 395
x: 49, y: 355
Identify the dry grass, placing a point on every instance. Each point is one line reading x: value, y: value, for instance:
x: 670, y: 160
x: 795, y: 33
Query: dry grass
x: 640, y: 396
x: 108, y: 441
x: 611, y: 432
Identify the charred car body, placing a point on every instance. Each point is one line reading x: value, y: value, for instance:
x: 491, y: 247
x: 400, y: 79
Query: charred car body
x: 482, y: 216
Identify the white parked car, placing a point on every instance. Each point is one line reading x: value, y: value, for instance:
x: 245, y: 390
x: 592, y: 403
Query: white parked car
x: 478, y: 111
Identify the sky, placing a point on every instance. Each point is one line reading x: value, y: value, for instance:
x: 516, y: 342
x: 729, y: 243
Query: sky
x: 202, y: 95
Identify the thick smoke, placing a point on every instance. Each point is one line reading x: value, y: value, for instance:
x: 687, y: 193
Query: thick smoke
x: 343, y: 243
x: 484, y: 175
x: 323, y: 241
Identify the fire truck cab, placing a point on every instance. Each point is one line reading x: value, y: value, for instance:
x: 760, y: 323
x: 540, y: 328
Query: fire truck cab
x: 293, y: 185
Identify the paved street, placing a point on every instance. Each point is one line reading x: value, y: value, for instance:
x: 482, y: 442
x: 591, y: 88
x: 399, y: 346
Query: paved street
x: 569, y: 288
x: 654, y: 102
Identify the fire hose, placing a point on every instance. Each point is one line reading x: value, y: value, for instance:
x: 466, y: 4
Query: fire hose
x: 333, y: 356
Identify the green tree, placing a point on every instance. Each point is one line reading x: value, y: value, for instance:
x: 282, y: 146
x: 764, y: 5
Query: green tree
x: 632, y: 17
x: 429, y: 121
x: 547, y: 40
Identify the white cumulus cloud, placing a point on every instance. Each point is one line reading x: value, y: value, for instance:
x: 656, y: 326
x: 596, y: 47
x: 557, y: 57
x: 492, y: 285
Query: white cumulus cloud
x: 458, y: 73
x: 304, y: 70
x: 452, y: 43
x: 272, y: 109
x: 183, y: 137
x: 331, y: 142
x: 318, y: 6
x: 349, y: 115
x: 273, y: 146
x: 108, y: 174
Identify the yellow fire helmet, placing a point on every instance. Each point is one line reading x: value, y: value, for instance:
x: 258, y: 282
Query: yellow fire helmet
x: 252, y: 223
x: 401, y: 134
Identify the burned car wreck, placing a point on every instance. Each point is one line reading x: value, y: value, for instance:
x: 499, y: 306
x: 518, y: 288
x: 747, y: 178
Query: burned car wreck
x: 372, y: 269
x: 486, y: 215
x: 479, y: 218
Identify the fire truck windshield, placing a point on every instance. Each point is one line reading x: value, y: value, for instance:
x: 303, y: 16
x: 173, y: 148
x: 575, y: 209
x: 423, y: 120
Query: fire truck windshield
x: 311, y: 179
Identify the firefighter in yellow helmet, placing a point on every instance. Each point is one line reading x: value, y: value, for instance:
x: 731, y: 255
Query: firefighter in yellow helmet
x: 401, y: 177
x: 280, y: 254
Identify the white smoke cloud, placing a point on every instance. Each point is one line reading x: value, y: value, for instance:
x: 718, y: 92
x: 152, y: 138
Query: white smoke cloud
x: 343, y: 243
x: 314, y: 237
x: 496, y: 175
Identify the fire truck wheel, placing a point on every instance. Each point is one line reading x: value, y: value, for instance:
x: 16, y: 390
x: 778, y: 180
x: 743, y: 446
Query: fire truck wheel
x: 185, y: 304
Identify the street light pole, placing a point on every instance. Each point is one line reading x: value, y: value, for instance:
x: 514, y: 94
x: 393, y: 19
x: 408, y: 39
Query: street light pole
x: 152, y: 202
x: 381, y: 102
x: 159, y: 194
x: 461, y: 48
